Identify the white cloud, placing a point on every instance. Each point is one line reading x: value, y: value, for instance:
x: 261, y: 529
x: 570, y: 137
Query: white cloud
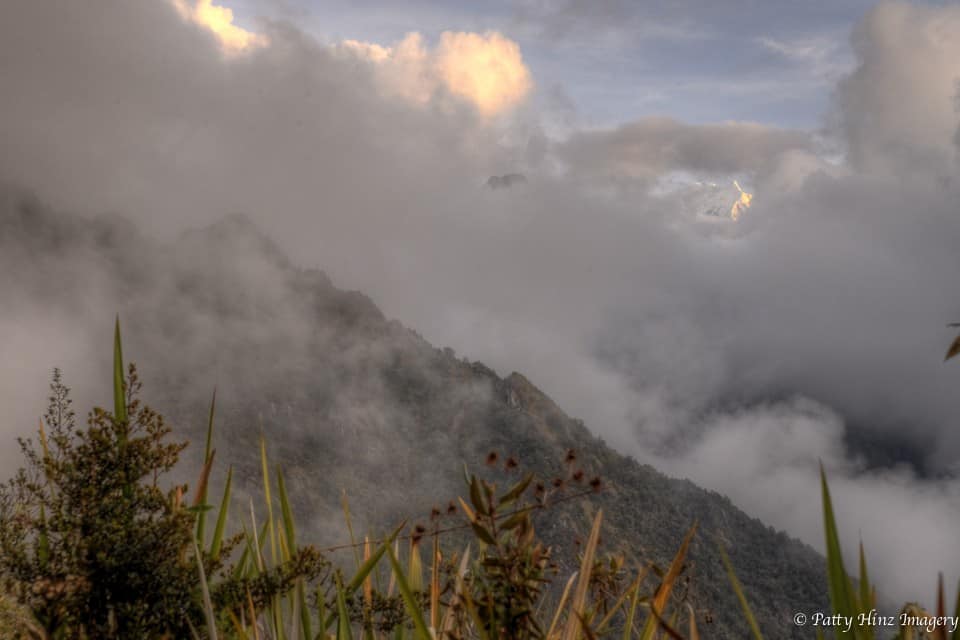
x: 486, y: 70
x: 835, y: 287
x: 218, y: 19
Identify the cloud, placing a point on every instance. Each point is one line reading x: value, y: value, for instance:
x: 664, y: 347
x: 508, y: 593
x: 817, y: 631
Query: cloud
x: 770, y: 449
x: 898, y: 109
x: 219, y: 20
x: 486, y: 70
x: 821, y: 55
x: 734, y: 354
x: 648, y: 148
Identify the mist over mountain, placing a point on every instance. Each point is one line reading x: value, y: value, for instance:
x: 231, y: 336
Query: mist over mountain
x: 350, y: 401
x: 737, y: 355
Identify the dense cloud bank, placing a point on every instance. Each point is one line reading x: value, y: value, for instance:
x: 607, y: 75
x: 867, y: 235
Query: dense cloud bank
x: 736, y: 354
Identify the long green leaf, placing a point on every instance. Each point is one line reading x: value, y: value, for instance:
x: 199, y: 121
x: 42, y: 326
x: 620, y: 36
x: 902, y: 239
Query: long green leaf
x: 305, y: 622
x: 865, y: 596
x: 205, y: 590
x: 738, y: 589
x: 217, y: 541
x: 349, y: 520
x: 621, y: 601
x: 343, y: 617
x: 838, y: 580
x: 120, y: 401
x: 119, y: 397
x: 413, y: 607
x: 267, y: 498
x: 207, y: 459
x: 286, y: 512
x: 578, y: 604
x: 373, y: 560
x: 635, y: 600
x: 368, y: 566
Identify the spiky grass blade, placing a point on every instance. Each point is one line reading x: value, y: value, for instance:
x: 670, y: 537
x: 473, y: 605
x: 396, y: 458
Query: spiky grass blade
x: 666, y: 586
x: 119, y: 396
x: 200, y: 497
x: 435, y: 586
x: 343, y: 616
x: 295, y: 619
x: 221, y: 525
x: 631, y: 615
x: 207, y: 462
x: 866, y: 597
x: 370, y: 564
x: 413, y: 607
x: 120, y: 400
x: 286, y: 512
x: 368, y: 581
x: 267, y: 498
x: 561, y: 605
x: 838, y: 580
x: 415, y: 567
x: 448, y: 619
x: 578, y: 604
x: 668, y: 627
x: 693, y: 633
x: 615, y: 609
x: 363, y: 573
x: 253, y: 616
x: 345, y: 505
x: 738, y: 589
x: 208, y: 611
x: 953, y: 350
x: 306, y: 623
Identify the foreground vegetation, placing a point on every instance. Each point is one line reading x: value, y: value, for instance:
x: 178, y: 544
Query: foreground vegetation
x: 93, y: 546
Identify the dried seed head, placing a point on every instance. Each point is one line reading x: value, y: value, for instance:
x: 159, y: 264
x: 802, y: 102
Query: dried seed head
x: 596, y: 484
x: 571, y: 456
x: 558, y: 483
x: 451, y: 508
x: 578, y: 475
x: 511, y: 463
x: 492, y: 458
x: 434, y: 513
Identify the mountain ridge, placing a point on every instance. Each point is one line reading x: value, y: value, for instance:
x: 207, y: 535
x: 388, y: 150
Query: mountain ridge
x: 350, y: 400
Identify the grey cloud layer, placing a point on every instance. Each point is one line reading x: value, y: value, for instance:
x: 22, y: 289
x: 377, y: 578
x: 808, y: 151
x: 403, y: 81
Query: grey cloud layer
x: 683, y: 342
x: 653, y: 146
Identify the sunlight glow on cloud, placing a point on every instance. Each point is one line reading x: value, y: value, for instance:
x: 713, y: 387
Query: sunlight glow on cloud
x: 486, y: 70
x: 219, y: 20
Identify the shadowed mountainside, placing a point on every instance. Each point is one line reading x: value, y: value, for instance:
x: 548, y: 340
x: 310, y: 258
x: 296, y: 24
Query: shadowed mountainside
x: 352, y: 401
